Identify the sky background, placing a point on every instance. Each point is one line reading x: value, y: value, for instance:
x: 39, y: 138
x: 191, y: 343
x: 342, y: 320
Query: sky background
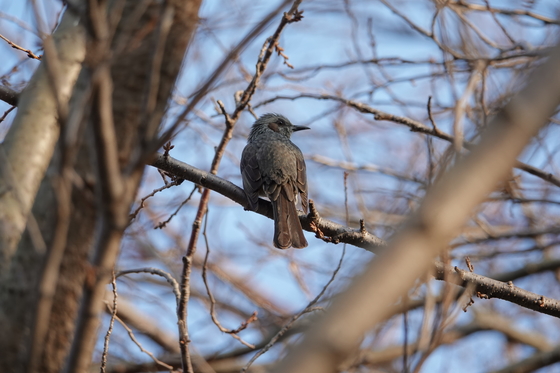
x: 330, y: 35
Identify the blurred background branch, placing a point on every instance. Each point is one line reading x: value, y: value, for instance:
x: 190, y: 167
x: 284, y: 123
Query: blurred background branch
x: 398, y: 94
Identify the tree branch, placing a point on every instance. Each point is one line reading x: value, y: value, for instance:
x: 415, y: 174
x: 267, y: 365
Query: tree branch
x: 8, y: 95
x: 334, y: 232
x: 486, y: 288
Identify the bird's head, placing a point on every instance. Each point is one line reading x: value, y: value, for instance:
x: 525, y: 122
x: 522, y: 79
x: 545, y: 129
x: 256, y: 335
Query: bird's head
x: 274, y: 123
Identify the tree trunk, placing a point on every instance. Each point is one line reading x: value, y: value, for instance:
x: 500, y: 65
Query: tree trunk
x: 135, y: 70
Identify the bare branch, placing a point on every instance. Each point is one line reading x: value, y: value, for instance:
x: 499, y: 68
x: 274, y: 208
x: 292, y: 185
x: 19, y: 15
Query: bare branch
x: 8, y: 95
x: 111, y: 323
x: 487, y: 288
x: 311, y: 222
x: 15, y: 46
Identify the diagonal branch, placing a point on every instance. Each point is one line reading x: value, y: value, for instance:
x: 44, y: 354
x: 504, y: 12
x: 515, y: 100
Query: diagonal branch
x: 30, y: 54
x: 8, y: 95
x: 486, y: 288
x: 338, y: 232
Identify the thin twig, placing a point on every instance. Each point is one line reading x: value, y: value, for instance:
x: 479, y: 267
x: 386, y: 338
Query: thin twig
x: 156, y: 271
x: 508, y: 12
x: 232, y: 332
x: 153, y: 193
x: 310, y: 308
x: 142, y: 349
x: 460, y: 108
x: 162, y: 224
x: 111, y: 323
x: 15, y: 46
x: 430, y: 114
x: 184, y: 296
x: 6, y: 113
x: 228, y: 59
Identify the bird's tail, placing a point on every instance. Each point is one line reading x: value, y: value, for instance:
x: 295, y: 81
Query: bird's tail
x: 287, y: 228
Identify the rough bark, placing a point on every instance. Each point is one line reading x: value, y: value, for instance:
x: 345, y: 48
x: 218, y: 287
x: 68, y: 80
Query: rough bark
x: 29, y: 145
x: 133, y: 68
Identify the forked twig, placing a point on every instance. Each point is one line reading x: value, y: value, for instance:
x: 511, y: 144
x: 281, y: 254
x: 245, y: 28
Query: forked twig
x: 245, y: 324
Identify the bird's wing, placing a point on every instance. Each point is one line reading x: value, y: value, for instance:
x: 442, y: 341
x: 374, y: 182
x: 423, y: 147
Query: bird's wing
x: 302, y: 180
x: 252, y: 178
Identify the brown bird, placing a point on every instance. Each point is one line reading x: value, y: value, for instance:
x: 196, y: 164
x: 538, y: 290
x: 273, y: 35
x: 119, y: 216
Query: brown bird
x: 272, y: 166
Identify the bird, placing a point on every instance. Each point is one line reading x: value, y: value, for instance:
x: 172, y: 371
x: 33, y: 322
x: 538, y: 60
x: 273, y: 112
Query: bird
x: 273, y: 166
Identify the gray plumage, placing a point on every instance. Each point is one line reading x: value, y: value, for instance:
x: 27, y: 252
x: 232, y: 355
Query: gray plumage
x: 272, y: 166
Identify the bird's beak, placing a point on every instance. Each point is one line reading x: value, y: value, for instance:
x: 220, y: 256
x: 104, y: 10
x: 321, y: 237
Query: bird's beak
x: 299, y: 128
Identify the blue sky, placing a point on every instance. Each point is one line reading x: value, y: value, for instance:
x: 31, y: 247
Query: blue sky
x: 238, y: 237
